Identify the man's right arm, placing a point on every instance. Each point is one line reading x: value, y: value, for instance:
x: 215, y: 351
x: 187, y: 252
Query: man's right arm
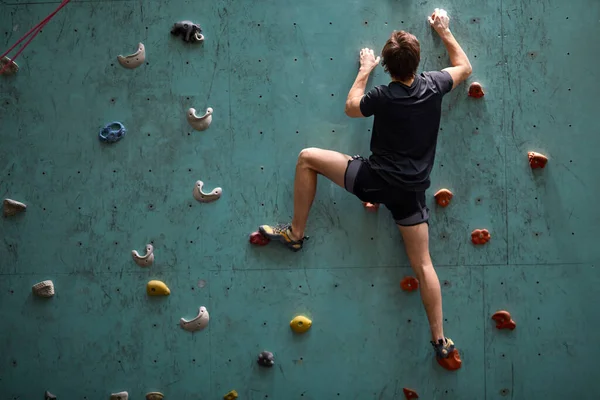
x: 461, y: 67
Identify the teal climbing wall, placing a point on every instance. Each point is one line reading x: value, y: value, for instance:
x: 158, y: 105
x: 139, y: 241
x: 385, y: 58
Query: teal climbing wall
x: 276, y: 74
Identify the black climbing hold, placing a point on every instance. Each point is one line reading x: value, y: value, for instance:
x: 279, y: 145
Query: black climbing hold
x: 266, y: 359
x: 49, y: 396
x: 112, y: 132
x: 190, y: 32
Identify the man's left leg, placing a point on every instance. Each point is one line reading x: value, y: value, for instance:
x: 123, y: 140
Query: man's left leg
x: 311, y: 162
x: 411, y: 214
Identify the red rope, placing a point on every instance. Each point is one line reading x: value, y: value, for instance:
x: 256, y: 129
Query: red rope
x: 35, y: 30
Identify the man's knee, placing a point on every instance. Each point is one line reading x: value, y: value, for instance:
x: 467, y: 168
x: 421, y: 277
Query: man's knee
x: 421, y: 267
x: 307, y: 156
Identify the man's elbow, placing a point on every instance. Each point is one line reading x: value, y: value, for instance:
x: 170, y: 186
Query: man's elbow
x: 352, y: 111
x: 348, y: 110
x: 468, y: 70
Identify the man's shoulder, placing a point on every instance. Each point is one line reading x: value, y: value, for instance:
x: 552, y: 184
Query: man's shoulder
x: 437, y: 79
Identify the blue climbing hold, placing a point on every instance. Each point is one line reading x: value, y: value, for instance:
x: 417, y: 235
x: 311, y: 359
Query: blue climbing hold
x: 112, y: 132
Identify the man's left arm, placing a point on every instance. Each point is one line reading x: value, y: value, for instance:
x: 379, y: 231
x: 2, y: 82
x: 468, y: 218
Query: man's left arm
x: 368, y: 62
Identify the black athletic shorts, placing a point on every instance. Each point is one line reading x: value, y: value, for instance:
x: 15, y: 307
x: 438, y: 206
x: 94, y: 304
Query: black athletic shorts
x: 408, y: 207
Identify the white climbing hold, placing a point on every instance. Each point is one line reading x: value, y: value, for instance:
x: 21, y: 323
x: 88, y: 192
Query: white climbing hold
x: 198, y: 323
x: 199, y: 123
x: 43, y: 289
x: 202, y: 197
x: 133, y: 60
x: 145, y: 260
x: 119, y: 396
x: 12, y: 207
x: 12, y: 68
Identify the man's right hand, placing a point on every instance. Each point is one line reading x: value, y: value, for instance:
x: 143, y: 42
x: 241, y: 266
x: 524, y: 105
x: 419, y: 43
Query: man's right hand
x: 439, y: 21
x: 461, y: 67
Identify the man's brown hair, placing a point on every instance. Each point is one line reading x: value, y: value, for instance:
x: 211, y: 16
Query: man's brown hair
x: 401, y: 55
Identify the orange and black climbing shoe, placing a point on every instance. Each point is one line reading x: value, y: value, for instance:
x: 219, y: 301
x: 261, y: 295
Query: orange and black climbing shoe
x: 282, y: 233
x: 447, y: 354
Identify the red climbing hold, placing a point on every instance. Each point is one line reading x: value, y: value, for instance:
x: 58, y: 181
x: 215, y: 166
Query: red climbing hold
x: 452, y: 362
x: 537, y: 160
x: 476, y: 90
x: 410, y: 394
x: 504, y: 320
x: 259, y: 239
x: 409, y: 284
x: 443, y: 197
x: 372, y: 207
x: 480, y: 236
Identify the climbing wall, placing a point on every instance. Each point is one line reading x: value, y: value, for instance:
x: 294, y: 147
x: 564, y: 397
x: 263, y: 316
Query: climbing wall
x: 277, y: 74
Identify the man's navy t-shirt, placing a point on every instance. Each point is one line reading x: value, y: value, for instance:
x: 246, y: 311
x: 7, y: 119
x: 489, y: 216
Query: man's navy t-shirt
x: 405, y: 128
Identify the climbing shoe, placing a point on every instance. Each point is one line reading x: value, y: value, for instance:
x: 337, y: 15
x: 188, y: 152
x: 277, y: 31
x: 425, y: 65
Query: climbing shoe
x: 443, y: 347
x: 283, y: 234
x: 447, y: 354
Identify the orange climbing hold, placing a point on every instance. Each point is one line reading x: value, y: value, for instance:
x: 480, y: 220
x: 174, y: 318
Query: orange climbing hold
x: 410, y: 394
x: 371, y: 206
x: 409, y: 283
x: 504, y: 320
x: 452, y: 362
x: 537, y: 160
x: 476, y: 90
x: 480, y: 236
x: 443, y: 197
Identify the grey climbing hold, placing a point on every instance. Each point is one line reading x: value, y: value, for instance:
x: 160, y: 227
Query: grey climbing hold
x: 189, y: 31
x: 147, y: 259
x: 199, y: 123
x: 43, y: 289
x: 12, y: 207
x: 198, y: 323
x: 266, y: 359
x: 119, y: 396
x: 12, y: 69
x: 154, y: 396
x: 133, y: 60
x: 49, y: 396
x: 202, y: 197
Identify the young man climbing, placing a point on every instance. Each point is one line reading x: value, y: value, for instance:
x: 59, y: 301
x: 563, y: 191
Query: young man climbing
x: 407, y: 115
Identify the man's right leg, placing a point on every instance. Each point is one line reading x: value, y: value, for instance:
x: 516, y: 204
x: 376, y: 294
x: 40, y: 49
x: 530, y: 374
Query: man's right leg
x: 311, y: 163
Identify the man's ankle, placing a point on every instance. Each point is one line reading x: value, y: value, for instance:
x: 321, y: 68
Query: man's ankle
x: 294, y: 235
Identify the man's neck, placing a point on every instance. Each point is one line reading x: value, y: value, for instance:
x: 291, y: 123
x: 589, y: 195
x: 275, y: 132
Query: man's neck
x: 407, y: 82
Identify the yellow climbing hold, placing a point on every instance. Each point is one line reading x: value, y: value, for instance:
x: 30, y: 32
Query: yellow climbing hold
x: 231, y: 395
x: 157, y: 288
x: 300, y: 324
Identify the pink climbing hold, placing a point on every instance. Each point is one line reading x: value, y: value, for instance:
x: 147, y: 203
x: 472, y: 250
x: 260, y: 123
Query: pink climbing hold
x: 480, y: 236
x: 410, y: 394
x: 443, y: 197
x: 409, y: 284
x: 537, y: 160
x: 504, y: 320
x: 371, y: 207
x: 258, y: 239
x: 476, y: 90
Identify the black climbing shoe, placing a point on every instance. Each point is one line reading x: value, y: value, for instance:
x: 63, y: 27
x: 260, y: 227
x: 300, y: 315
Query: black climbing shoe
x: 443, y: 348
